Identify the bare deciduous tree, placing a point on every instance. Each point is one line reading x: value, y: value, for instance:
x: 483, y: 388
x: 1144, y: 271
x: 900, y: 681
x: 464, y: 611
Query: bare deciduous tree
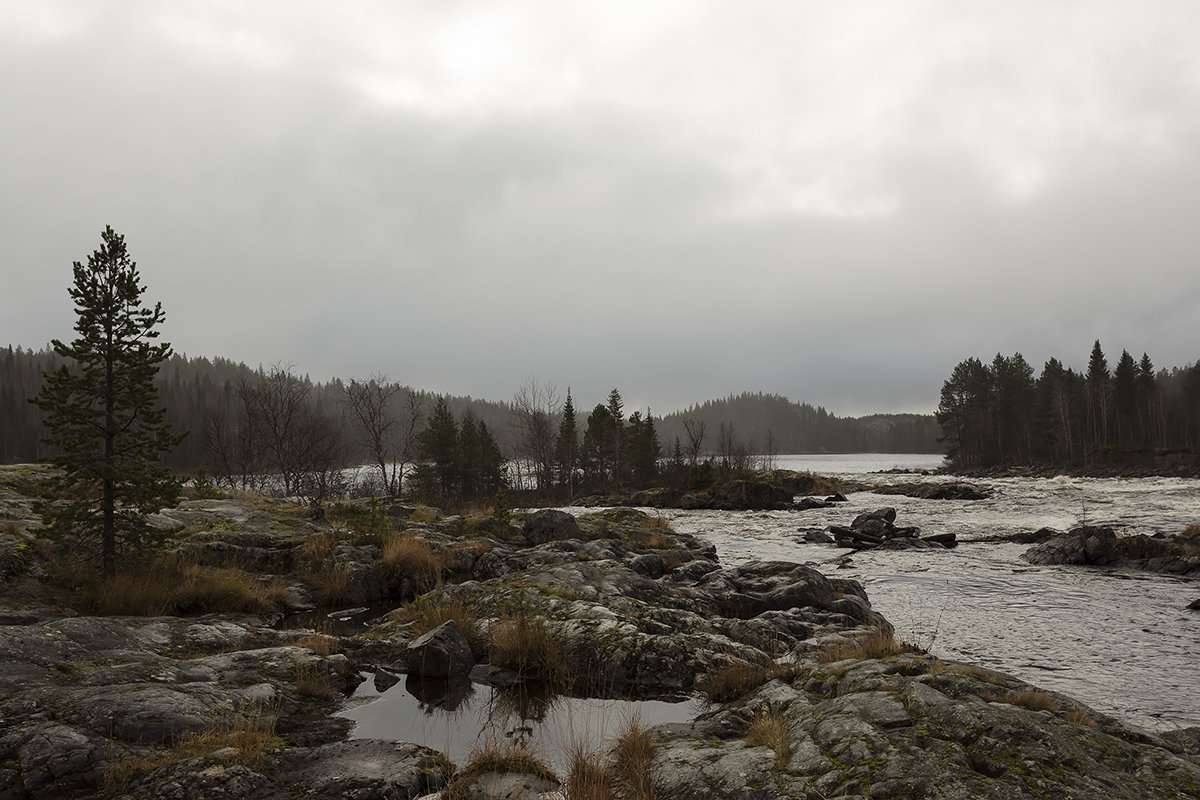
x: 695, y: 429
x: 535, y: 411
x: 387, y: 416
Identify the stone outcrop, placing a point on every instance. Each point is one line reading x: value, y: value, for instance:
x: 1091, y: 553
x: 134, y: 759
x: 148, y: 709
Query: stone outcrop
x: 936, y: 491
x: 911, y: 726
x: 1100, y: 546
x: 635, y: 607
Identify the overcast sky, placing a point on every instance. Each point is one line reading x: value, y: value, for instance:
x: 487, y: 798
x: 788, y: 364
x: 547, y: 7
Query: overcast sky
x: 835, y: 201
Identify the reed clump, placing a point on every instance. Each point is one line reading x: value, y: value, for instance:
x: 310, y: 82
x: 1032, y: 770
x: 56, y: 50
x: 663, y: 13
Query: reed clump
x: 166, y: 586
x: 407, y: 558
x: 633, y: 757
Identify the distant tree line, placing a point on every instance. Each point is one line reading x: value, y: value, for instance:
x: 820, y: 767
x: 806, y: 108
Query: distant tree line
x: 1000, y: 414
x: 270, y: 428
x: 769, y: 423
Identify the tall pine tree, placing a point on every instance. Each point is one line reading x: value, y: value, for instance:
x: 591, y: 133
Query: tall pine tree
x: 102, y: 409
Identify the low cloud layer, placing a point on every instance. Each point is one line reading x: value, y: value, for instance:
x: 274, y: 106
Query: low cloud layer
x: 835, y: 202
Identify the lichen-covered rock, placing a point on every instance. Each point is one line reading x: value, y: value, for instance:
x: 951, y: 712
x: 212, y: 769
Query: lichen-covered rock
x: 912, y: 726
x: 363, y: 769
x: 551, y: 525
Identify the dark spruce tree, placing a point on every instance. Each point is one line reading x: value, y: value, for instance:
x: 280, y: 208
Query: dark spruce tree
x: 103, y: 413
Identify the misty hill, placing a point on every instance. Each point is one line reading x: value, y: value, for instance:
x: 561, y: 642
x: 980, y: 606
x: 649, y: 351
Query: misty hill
x: 771, y: 422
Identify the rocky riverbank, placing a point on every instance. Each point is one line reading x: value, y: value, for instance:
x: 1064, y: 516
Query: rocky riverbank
x: 809, y: 694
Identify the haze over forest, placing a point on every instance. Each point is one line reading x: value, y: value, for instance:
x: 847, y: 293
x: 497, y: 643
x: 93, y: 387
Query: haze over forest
x: 834, y: 202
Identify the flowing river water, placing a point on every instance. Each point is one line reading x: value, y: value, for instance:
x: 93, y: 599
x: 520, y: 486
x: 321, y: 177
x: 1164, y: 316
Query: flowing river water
x: 1121, y: 641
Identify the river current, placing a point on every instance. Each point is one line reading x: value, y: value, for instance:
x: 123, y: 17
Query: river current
x: 1121, y: 641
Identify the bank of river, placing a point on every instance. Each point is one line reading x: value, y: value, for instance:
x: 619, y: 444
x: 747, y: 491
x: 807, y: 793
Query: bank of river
x: 1124, y: 642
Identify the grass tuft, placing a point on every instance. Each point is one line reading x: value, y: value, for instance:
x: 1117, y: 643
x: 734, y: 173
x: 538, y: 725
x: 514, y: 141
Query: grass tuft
x: 499, y: 759
x: 1033, y: 699
x: 249, y: 735
x: 770, y: 728
x: 168, y: 587
x: 880, y: 643
x: 407, y: 557
x: 633, y: 758
x: 1080, y: 717
x: 333, y: 586
x: 731, y: 681
x: 524, y: 644
x: 426, y: 614
x: 314, y: 680
x: 587, y: 776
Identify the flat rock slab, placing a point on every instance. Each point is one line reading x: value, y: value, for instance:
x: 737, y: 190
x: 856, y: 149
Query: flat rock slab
x: 363, y: 769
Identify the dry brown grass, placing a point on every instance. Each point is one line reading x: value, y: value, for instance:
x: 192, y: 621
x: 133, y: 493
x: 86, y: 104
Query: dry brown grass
x: 983, y: 674
x: 249, y: 734
x: 524, y: 644
x: 320, y: 643
x: 167, y: 587
x: 731, y: 681
x: 1078, y: 716
x: 587, y: 776
x: 880, y: 643
x: 770, y: 728
x: 1033, y: 699
x: 633, y: 757
x: 424, y: 514
x: 333, y: 586
x: 405, y: 557
x: 496, y: 758
x: 314, y: 680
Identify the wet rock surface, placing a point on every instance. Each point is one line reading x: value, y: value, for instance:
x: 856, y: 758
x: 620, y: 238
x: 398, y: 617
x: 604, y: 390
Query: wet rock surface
x: 912, y: 726
x: 637, y: 609
x: 1100, y: 546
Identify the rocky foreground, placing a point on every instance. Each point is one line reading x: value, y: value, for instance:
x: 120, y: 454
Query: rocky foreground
x: 810, y: 697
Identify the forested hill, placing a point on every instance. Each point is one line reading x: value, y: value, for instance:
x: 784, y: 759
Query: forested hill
x: 199, y: 392
x: 195, y: 391
x: 770, y: 422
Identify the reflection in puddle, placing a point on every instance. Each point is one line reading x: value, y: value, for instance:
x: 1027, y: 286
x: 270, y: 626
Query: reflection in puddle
x: 455, y: 718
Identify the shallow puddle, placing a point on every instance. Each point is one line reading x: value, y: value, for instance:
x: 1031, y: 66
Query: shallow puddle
x: 456, y: 719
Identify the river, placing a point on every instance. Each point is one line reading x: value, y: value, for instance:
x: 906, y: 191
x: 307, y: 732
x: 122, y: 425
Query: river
x: 1123, y: 642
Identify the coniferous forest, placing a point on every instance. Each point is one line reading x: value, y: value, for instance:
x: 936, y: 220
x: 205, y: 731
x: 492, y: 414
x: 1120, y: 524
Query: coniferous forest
x: 244, y: 422
x: 999, y: 414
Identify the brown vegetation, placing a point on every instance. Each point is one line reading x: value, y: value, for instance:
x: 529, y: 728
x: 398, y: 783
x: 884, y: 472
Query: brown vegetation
x: 167, y: 587
x: 587, y: 776
x: 249, y: 735
x: 731, y: 681
x: 633, y: 757
x: 405, y: 557
x: 495, y: 758
x: 770, y: 728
